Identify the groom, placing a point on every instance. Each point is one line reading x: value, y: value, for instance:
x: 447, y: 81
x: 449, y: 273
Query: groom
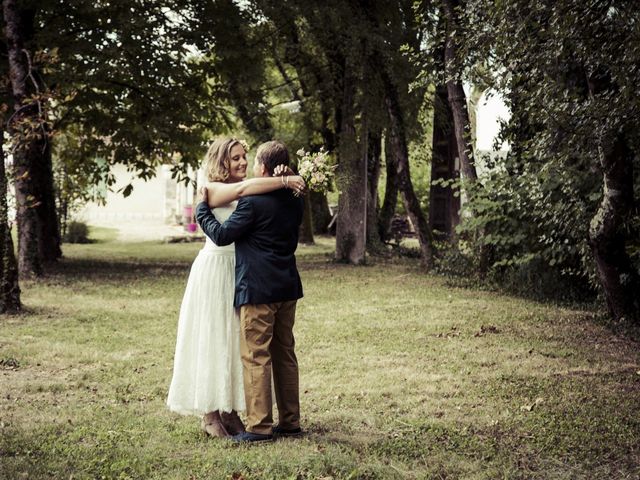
x: 265, y: 231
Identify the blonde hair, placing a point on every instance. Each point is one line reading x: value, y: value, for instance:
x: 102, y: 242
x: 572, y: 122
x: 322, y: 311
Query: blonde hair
x: 217, y: 161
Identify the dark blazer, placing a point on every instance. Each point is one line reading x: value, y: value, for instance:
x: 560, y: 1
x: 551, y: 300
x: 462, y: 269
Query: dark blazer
x: 265, y: 231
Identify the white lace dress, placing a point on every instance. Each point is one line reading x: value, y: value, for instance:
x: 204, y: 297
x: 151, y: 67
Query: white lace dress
x: 207, y: 369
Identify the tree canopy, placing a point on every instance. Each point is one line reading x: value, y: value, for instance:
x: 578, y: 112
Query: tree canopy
x: 145, y: 83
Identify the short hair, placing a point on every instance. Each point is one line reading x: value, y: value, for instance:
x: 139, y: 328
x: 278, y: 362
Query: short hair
x: 271, y: 154
x: 217, y: 161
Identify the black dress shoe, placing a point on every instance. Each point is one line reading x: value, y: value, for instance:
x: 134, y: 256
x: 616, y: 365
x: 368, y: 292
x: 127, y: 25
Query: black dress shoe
x: 248, y: 438
x: 278, y: 431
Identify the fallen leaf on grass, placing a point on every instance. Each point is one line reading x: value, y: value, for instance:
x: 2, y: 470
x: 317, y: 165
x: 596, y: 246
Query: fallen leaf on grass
x: 448, y: 335
x: 531, y: 406
x: 453, y: 333
x: 9, y: 363
x: 486, y: 329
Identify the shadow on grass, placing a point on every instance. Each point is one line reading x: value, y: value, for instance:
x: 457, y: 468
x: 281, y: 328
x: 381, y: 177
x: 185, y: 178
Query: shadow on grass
x: 75, y: 270
x: 69, y: 270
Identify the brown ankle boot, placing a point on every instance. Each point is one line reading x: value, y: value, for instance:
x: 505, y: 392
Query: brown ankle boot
x: 213, y: 426
x: 232, y: 422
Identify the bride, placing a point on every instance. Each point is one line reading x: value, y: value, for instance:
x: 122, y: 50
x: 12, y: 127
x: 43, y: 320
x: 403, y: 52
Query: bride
x: 207, y: 371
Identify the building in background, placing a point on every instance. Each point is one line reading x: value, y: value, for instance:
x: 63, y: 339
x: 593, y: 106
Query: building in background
x: 160, y: 200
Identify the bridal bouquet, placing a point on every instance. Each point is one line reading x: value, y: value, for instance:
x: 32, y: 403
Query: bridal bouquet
x: 315, y: 169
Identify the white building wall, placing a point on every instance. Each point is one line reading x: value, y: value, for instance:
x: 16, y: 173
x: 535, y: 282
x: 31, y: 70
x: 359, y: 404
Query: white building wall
x: 159, y: 200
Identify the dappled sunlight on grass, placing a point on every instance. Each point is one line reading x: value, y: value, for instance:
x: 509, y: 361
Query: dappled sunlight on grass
x: 402, y: 376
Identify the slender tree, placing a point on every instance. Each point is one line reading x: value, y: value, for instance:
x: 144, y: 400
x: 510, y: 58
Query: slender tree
x: 401, y: 104
x: 49, y: 227
x: 388, y: 208
x: 306, y: 228
x: 444, y: 198
x: 374, y: 143
x: 399, y: 150
x: 320, y: 213
x: 455, y: 91
x: 9, y: 286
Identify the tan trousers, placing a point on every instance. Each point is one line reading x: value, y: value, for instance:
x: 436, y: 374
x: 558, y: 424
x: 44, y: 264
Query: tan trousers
x: 267, y: 341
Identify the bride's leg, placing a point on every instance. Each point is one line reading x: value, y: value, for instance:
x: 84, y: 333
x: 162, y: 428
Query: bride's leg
x: 213, y: 426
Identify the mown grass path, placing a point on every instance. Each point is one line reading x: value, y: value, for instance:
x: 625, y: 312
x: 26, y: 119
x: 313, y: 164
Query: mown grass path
x: 402, y: 376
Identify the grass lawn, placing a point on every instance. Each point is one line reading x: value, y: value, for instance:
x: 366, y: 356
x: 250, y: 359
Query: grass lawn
x: 402, y: 376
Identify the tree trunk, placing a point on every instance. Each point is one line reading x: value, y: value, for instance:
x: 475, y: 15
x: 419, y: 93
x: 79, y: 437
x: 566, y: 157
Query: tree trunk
x: 321, y: 216
x: 398, y: 146
x: 374, y: 242
x: 9, y: 286
x: 328, y: 136
x: 457, y: 98
x: 350, y: 229
x: 472, y: 106
x: 390, y: 194
x: 444, y: 200
x: 49, y: 234
x: 306, y: 229
x: 411, y: 202
x: 618, y: 277
x: 24, y: 127
x: 461, y: 123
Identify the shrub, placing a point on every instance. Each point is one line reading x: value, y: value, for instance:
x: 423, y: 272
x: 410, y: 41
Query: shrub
x: 77, y: 232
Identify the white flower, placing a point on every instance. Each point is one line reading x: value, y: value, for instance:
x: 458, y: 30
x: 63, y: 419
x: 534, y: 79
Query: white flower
x: 313, y: 168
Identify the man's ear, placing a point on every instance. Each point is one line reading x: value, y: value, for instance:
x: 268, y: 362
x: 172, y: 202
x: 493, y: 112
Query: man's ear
x: 263, y: 170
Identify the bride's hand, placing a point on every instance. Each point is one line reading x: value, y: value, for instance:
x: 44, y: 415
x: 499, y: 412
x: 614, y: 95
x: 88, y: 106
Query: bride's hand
x: 296, y: 183
x: 204, y: 195
x: 282, y: 170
